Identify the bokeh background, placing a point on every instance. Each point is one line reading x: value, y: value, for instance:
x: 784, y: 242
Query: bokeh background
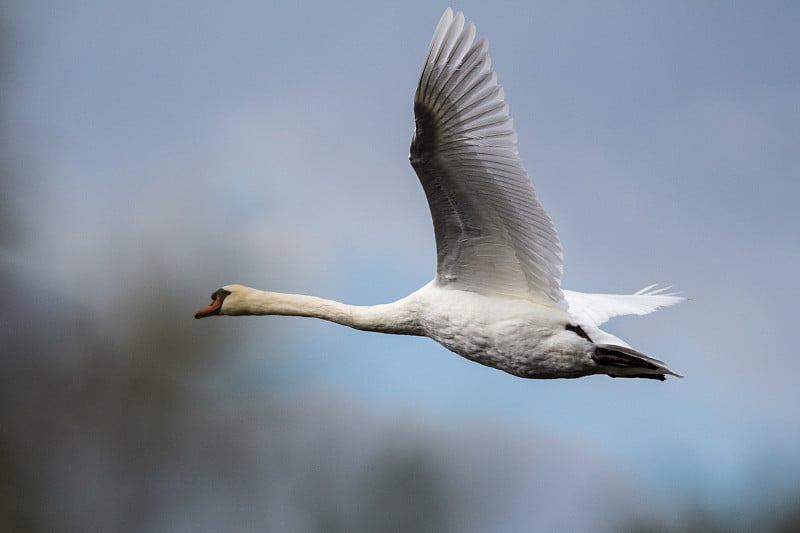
x: 153, y: 151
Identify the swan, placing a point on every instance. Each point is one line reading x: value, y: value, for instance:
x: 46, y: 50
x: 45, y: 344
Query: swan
x: 496, y: 298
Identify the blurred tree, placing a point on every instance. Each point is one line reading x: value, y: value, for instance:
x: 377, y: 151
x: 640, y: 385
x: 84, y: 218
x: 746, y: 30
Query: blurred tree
x: 789, y: 521
x: 6, y: 220
x: 117, y: 433
x: 404, y: 490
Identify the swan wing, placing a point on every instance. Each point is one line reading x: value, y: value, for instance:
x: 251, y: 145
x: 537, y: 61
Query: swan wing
x: 595, y: 309
x: 492, y: 234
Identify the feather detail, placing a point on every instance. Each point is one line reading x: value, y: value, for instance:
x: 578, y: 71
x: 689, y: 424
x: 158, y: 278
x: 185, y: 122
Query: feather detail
x: 492, y: 235
x: 595, y: 309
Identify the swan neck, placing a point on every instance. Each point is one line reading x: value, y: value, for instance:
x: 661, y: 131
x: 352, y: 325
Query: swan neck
x: 396, y: 317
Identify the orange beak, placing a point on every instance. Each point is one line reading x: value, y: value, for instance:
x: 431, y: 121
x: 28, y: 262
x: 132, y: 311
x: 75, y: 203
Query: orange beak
x: 211, y: 309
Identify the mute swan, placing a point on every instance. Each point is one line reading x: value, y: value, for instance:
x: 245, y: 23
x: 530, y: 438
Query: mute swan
x: 496, y: 298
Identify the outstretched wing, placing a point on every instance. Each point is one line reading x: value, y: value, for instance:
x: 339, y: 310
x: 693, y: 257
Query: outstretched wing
x: 492, y: 234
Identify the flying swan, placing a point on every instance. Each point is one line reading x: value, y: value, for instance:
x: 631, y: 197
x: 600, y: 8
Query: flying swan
x: 497, y: 297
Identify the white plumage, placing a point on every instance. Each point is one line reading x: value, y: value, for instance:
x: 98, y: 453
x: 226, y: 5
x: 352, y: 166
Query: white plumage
x: 492, y: 235
x: 496, y: 298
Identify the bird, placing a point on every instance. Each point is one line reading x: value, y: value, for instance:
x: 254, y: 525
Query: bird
x: 496, y: 298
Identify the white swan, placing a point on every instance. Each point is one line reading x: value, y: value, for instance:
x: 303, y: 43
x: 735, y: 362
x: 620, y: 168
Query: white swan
x: 496, y: 298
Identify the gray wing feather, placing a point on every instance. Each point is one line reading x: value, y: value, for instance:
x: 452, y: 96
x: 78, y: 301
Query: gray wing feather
x: 492, y: 234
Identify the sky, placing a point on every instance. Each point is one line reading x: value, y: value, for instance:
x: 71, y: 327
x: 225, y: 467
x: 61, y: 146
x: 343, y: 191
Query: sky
x: 265, y: 143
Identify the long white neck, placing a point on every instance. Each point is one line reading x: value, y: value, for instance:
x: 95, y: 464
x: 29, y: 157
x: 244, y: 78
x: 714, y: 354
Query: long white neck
x: 397, y: 317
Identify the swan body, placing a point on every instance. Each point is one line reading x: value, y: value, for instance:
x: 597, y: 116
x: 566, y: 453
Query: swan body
x: 497, y: 297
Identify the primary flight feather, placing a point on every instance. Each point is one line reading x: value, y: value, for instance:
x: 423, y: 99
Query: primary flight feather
x: 496, y: 298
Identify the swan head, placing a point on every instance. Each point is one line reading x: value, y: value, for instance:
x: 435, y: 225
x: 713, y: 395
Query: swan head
x: 215, y: 307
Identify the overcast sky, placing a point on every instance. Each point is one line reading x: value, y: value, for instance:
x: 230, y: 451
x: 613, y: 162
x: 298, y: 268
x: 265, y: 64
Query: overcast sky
x: 268, y: 141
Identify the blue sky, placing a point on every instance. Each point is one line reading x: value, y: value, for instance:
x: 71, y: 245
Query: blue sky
x: 266, y: 144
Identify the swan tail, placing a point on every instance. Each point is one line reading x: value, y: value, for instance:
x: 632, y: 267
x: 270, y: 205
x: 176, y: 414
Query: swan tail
x: 623, y: 362
x: 598, y: 308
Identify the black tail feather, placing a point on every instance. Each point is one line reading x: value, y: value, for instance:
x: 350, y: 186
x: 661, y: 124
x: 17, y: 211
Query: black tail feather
x: 613, y: 357
x: 659, y: 377
x: 628, y: 361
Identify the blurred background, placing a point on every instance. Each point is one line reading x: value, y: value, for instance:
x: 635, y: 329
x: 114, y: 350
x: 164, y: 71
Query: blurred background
x: 154, y: 151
